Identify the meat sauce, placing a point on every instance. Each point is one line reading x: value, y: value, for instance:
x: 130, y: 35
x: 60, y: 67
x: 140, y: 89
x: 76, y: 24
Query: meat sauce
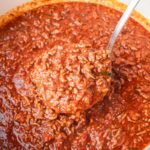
x: 55, y: 90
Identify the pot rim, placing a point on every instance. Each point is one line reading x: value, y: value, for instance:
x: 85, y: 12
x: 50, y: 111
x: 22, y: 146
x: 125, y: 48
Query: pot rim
x: 17, y: 11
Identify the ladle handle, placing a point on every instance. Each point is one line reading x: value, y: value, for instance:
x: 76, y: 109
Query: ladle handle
x: 121, y: 23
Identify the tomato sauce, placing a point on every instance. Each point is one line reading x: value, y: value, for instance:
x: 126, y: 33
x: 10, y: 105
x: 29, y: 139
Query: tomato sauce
x: 56, y: 91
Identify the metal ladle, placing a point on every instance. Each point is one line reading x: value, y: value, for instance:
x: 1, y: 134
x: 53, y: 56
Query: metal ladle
x: 120, y: 24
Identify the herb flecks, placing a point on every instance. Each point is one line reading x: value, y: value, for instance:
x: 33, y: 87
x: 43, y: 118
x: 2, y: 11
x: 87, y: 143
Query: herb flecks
x: 105, y: 73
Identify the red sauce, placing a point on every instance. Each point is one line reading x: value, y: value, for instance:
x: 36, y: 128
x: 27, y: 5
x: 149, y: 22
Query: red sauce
x: 54, y: 74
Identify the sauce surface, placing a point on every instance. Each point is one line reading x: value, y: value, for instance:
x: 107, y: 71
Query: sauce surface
x: 54, y: 74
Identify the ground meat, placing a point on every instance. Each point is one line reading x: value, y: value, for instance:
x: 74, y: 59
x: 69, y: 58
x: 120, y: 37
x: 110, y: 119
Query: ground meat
x: 67, y: 78
x: 55, y: 90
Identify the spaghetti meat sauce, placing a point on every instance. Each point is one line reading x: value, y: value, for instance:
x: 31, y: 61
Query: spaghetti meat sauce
x: 56, y: 88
